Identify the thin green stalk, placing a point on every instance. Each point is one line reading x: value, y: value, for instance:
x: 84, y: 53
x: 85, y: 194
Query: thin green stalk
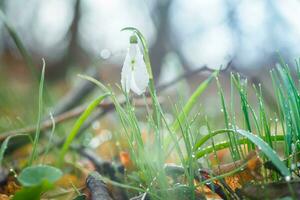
x: 242, y: 89
x: 40, y: 110
x: 146, y: 56
x: 239, y: 150
x: 233, y: 147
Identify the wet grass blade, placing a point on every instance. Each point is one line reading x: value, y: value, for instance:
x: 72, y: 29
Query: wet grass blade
x: 78, y: 125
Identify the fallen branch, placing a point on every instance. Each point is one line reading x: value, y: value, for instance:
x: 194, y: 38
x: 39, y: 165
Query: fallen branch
x: 106, y: 168
x: 47, y: 124
x: 97, y: 187
x: 106, y: 107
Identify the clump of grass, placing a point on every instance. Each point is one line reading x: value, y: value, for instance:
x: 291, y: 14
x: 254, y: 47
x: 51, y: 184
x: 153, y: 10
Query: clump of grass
x: 149, y: 156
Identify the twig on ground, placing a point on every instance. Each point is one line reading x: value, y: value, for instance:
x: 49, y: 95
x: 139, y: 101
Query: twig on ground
x: 97, y: 187
x: 105, y: 168
x: 106, y: 107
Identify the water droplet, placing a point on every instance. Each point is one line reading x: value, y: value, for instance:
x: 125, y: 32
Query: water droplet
x: 96, y: 125
x: 105, y: 54
x: 259, y: 148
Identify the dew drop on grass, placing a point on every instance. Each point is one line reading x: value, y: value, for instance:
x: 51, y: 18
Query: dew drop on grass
x: 259, y: 148
x: 287, y: 178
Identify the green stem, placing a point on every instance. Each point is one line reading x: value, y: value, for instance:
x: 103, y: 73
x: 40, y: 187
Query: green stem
x: 38, y: 128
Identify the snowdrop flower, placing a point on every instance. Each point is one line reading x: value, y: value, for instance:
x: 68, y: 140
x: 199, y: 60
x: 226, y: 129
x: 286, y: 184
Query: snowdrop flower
x: 134, y: 74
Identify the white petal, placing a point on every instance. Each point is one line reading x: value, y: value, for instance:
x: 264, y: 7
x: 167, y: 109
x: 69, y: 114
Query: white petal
x: 135, y: 88
x: 133, y: 50
x: 140, y: 76
x: 126, y: 74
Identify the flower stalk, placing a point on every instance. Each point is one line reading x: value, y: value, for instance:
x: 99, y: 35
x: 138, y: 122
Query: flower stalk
x: 152, y: 90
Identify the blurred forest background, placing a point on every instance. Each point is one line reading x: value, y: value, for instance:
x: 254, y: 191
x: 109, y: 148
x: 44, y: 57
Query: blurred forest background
x: 79, y: 36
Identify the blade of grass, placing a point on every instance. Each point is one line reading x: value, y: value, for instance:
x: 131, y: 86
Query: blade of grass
x: 233, y: 146
x: 77, y: 126
x: 40, y: 110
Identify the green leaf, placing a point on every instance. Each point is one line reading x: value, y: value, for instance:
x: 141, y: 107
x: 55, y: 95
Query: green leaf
x: 33, y: 193
x: 36, y: 175
x: 5, y: 143
x: 83, y: 117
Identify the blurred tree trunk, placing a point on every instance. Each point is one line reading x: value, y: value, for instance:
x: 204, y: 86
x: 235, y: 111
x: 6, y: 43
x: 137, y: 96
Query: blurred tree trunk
x: 161, y: 45
x: 74, y: 56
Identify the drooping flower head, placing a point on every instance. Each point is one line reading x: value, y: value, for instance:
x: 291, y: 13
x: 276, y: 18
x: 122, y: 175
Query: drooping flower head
x: 134, y: 74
